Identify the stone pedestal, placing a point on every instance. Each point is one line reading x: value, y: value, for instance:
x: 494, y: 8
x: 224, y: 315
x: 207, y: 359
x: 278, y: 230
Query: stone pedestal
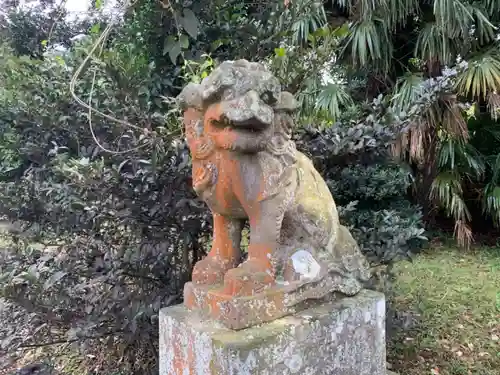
x: 344, y: 337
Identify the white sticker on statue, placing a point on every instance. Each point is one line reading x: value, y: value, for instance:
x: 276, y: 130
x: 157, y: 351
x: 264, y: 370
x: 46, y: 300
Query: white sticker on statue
x: 305, y: 264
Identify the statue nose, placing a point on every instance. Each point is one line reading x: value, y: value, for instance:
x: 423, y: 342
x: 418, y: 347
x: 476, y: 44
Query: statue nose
x: 248, y: 110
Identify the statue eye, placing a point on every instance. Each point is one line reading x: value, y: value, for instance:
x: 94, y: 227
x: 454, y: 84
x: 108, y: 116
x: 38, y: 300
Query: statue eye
x: 267, y: 97
x: 217, y: 123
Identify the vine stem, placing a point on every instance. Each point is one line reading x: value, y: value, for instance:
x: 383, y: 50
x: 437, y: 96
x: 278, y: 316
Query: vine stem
x: 100, y: 43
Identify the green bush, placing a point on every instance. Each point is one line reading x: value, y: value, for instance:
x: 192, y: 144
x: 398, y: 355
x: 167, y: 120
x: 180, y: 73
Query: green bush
x: 376, y: 182
x: 108, y: 237
x: 370, y: 189
x: 110, y: 231
x: 373, y: 204
x: 111, y: 237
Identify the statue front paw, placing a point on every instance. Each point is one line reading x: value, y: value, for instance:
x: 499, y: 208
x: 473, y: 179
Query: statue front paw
x: 250, y: 278
x: 211, y: 270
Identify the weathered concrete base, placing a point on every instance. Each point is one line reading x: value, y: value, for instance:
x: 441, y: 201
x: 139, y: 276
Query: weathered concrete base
x: 344, y: 337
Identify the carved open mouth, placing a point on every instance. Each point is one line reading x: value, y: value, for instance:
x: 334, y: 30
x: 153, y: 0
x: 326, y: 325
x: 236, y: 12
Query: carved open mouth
x: 246, y: 113
x: 251, y: 125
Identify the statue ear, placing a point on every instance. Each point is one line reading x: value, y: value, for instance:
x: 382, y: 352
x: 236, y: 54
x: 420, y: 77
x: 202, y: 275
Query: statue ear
x: 190, y: 97
x: 286, y: 102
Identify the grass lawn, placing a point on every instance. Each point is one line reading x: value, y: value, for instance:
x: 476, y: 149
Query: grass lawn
x: 456, y: 295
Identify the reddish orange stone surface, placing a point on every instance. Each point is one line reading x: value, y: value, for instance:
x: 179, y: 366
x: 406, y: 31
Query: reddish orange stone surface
x: 236, y: 312
x: 246, y: 168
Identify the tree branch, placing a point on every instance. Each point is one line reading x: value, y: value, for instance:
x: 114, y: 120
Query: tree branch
x: 58, y: 342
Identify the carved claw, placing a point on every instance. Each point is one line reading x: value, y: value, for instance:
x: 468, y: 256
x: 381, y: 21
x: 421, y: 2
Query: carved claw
x: 202, y: 149
x: 211, y: 270
x: 250, y: 278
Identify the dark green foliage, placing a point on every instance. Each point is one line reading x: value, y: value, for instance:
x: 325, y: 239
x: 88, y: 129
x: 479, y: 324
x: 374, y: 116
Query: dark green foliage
x: 386, y: 233
x: 109, y: 237
x: 373, y: 205
x: 172, y: 35
x: 376, y: 182
x: 371, y: 190
x: 30, y: 30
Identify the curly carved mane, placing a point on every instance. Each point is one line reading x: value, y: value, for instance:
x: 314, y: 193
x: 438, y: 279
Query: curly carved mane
x: 251, y: 103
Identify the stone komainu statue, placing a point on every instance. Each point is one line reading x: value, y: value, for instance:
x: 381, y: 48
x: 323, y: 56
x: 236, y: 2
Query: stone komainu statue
x: 238, y: 126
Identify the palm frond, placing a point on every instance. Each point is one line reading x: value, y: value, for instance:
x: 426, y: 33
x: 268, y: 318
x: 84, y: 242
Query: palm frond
x: 491, y: 202
x: 486, y: 31
x: 345, y: 4
x: 446, y: 190
x: 457, y: 154
x: 446, y: 155
x: 472, y: 161
x: 463, y: 233
x: 306, y: 98
x: 397, y: 10
x: 400, y: 10
x: 411, y: 145
x: 433, y: 116
x: 445, y: 118
x: 492, y: 6
x: 452, y: 120
x: 453, y: 16
x: 362, y: 8
x: 459, y: 19
x: 495, y: 167
x: 332, y: 99
x: 433, y: 44
x: 481, y: 77
x: 310, y: 17
x: 369, y: 42
x: 408, y: 89
x: 493, y: 104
